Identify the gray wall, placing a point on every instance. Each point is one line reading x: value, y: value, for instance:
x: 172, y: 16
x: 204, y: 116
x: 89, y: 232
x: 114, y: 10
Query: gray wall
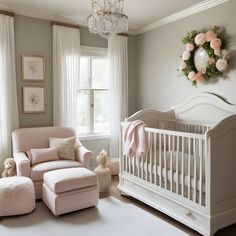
x: 33, y: 36
x: 158, y: 57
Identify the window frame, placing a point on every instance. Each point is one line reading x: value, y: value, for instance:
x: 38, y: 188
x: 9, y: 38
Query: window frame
x: 92, y: 52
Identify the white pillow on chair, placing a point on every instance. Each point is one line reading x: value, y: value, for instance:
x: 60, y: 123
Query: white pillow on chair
x: 64, y: 146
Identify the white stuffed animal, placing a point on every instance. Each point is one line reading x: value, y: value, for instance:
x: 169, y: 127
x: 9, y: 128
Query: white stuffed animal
x: 10, y: 168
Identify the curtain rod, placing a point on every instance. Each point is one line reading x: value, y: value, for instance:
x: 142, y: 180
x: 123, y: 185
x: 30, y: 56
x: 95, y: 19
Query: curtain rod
x: 65, y: 24
x: 7, y: 13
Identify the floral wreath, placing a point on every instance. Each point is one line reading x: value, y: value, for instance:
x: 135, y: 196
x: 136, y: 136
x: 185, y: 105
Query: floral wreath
x: 213, y: 42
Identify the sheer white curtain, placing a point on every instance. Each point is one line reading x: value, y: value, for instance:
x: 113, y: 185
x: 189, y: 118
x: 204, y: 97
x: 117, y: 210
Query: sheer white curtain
x: 118, y: 77
x: 8, y: 96
x: 66, y: 57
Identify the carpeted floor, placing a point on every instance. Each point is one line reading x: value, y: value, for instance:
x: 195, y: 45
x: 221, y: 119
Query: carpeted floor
x: 110, y: 217
x: 114, y: 216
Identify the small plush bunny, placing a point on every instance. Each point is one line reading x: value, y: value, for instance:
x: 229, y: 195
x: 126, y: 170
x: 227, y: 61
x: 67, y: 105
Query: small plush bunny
x: 10, y: 168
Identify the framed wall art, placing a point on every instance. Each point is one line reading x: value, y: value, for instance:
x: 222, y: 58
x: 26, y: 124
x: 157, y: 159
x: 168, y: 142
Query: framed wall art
x: 34, y: 99
x: 33, y: 68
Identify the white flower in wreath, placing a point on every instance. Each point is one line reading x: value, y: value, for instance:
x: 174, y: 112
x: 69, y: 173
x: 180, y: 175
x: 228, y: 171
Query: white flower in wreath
x: 34, y: 99
x: 192, y: 75
x: 182, y: 65
x: 200, y: 39
x: 225, y: 54
x: 221, y: 64
x: 186, y: 55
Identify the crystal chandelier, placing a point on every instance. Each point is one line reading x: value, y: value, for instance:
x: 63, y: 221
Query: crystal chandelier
x: 108, y: 18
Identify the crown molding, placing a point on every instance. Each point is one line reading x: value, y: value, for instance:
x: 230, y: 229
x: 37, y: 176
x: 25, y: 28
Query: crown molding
x: 43, y: 15
x: 202, y: 6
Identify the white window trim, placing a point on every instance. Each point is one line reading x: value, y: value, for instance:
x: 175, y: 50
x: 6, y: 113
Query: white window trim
x: 93, y: 137
x: 93, y: 52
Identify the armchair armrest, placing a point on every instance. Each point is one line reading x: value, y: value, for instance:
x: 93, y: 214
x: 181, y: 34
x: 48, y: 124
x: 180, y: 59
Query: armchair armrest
x: 84, y: 156
x: 22, y: 164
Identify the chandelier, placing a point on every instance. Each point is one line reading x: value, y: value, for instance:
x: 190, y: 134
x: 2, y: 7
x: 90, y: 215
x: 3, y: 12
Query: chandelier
x: 108, y: 18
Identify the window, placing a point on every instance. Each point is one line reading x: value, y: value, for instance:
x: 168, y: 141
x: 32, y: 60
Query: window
x: 93, y: 95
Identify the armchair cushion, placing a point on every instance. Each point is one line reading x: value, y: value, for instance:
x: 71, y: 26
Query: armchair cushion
x: 44, y: 155
x: 65, y: 147
x: 38, y: 170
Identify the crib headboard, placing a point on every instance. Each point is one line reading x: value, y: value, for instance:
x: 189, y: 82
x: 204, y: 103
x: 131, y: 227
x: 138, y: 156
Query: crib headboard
x: 205, y: 107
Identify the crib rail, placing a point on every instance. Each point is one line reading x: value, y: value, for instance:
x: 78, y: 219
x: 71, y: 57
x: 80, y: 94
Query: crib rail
x: 184, y: 126
x: 175, y: 163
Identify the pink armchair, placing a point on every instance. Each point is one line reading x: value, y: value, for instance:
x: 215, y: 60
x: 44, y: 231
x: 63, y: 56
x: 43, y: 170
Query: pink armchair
x: 25, y: 139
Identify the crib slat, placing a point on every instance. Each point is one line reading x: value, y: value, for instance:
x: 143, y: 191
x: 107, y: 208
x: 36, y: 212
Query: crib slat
x: 165, y: 166
x: 182, y: 168
x: 189, y: 167
x: 195, y: 172
x: 160, y: 161
x: 200, y: 179
x: 171, y: 163
x: 133, y: 165
x: 151, y: 154
x: 155, y: 157
x: 177, y: 166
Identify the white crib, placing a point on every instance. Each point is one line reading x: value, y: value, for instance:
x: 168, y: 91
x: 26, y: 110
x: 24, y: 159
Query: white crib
x: 189, y: 172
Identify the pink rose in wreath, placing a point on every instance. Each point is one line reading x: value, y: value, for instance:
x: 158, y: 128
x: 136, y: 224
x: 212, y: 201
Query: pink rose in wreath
x: 203, y: 70
x: 221, y: 64
x: 200, y: 39
x: 211, y: 60
x: 199, y: 77
x: 217, y: 52
x: 210, y: 35
x: 189, y: 47
x: 215, y: 43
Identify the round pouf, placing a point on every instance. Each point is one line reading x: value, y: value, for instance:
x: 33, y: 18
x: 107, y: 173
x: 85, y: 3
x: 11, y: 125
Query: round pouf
x: 113, y: 165
x: 17, y: 196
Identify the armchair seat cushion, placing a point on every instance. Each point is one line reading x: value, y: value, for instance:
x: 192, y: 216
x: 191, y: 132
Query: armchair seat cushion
x: 38, y: 170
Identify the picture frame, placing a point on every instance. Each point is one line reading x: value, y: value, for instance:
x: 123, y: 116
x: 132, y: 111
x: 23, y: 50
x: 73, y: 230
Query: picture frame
x: 33, y: 68
x: 34, y: 99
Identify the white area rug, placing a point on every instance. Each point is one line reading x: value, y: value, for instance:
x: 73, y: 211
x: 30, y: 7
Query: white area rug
x: 111, y: 217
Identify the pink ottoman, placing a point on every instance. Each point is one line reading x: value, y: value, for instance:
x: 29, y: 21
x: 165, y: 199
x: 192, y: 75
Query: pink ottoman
x: 17, y: 196
x: 71, y: 189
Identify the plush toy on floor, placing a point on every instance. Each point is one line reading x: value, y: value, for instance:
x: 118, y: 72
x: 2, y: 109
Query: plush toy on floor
x: 10, y: 168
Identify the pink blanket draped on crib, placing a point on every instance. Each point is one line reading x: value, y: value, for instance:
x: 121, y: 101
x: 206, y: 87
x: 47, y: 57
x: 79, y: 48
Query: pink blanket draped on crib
x: 135, y: 139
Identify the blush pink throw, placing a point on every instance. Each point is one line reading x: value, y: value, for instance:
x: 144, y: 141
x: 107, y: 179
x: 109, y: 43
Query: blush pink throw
x: 135, y: 139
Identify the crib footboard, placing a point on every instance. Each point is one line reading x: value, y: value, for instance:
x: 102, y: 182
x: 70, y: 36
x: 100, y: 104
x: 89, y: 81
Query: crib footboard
x: 172, y: 177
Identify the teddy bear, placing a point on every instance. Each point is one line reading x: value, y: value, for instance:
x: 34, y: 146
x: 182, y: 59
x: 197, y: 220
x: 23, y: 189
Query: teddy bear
x: 10, y: 168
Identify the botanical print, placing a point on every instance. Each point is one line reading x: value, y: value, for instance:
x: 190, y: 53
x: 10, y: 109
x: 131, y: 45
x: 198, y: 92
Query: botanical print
x: 33, y: 99
x: 32, y: 68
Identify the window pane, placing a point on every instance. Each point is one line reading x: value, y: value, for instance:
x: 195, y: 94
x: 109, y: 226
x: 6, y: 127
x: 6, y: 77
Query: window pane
x: 84, y: 73
x: 83, y: 108
x: 99, y: 74
x: 101, y: 112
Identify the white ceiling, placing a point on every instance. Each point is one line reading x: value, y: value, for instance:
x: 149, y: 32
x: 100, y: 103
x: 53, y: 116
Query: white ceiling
x: 140, y: 12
